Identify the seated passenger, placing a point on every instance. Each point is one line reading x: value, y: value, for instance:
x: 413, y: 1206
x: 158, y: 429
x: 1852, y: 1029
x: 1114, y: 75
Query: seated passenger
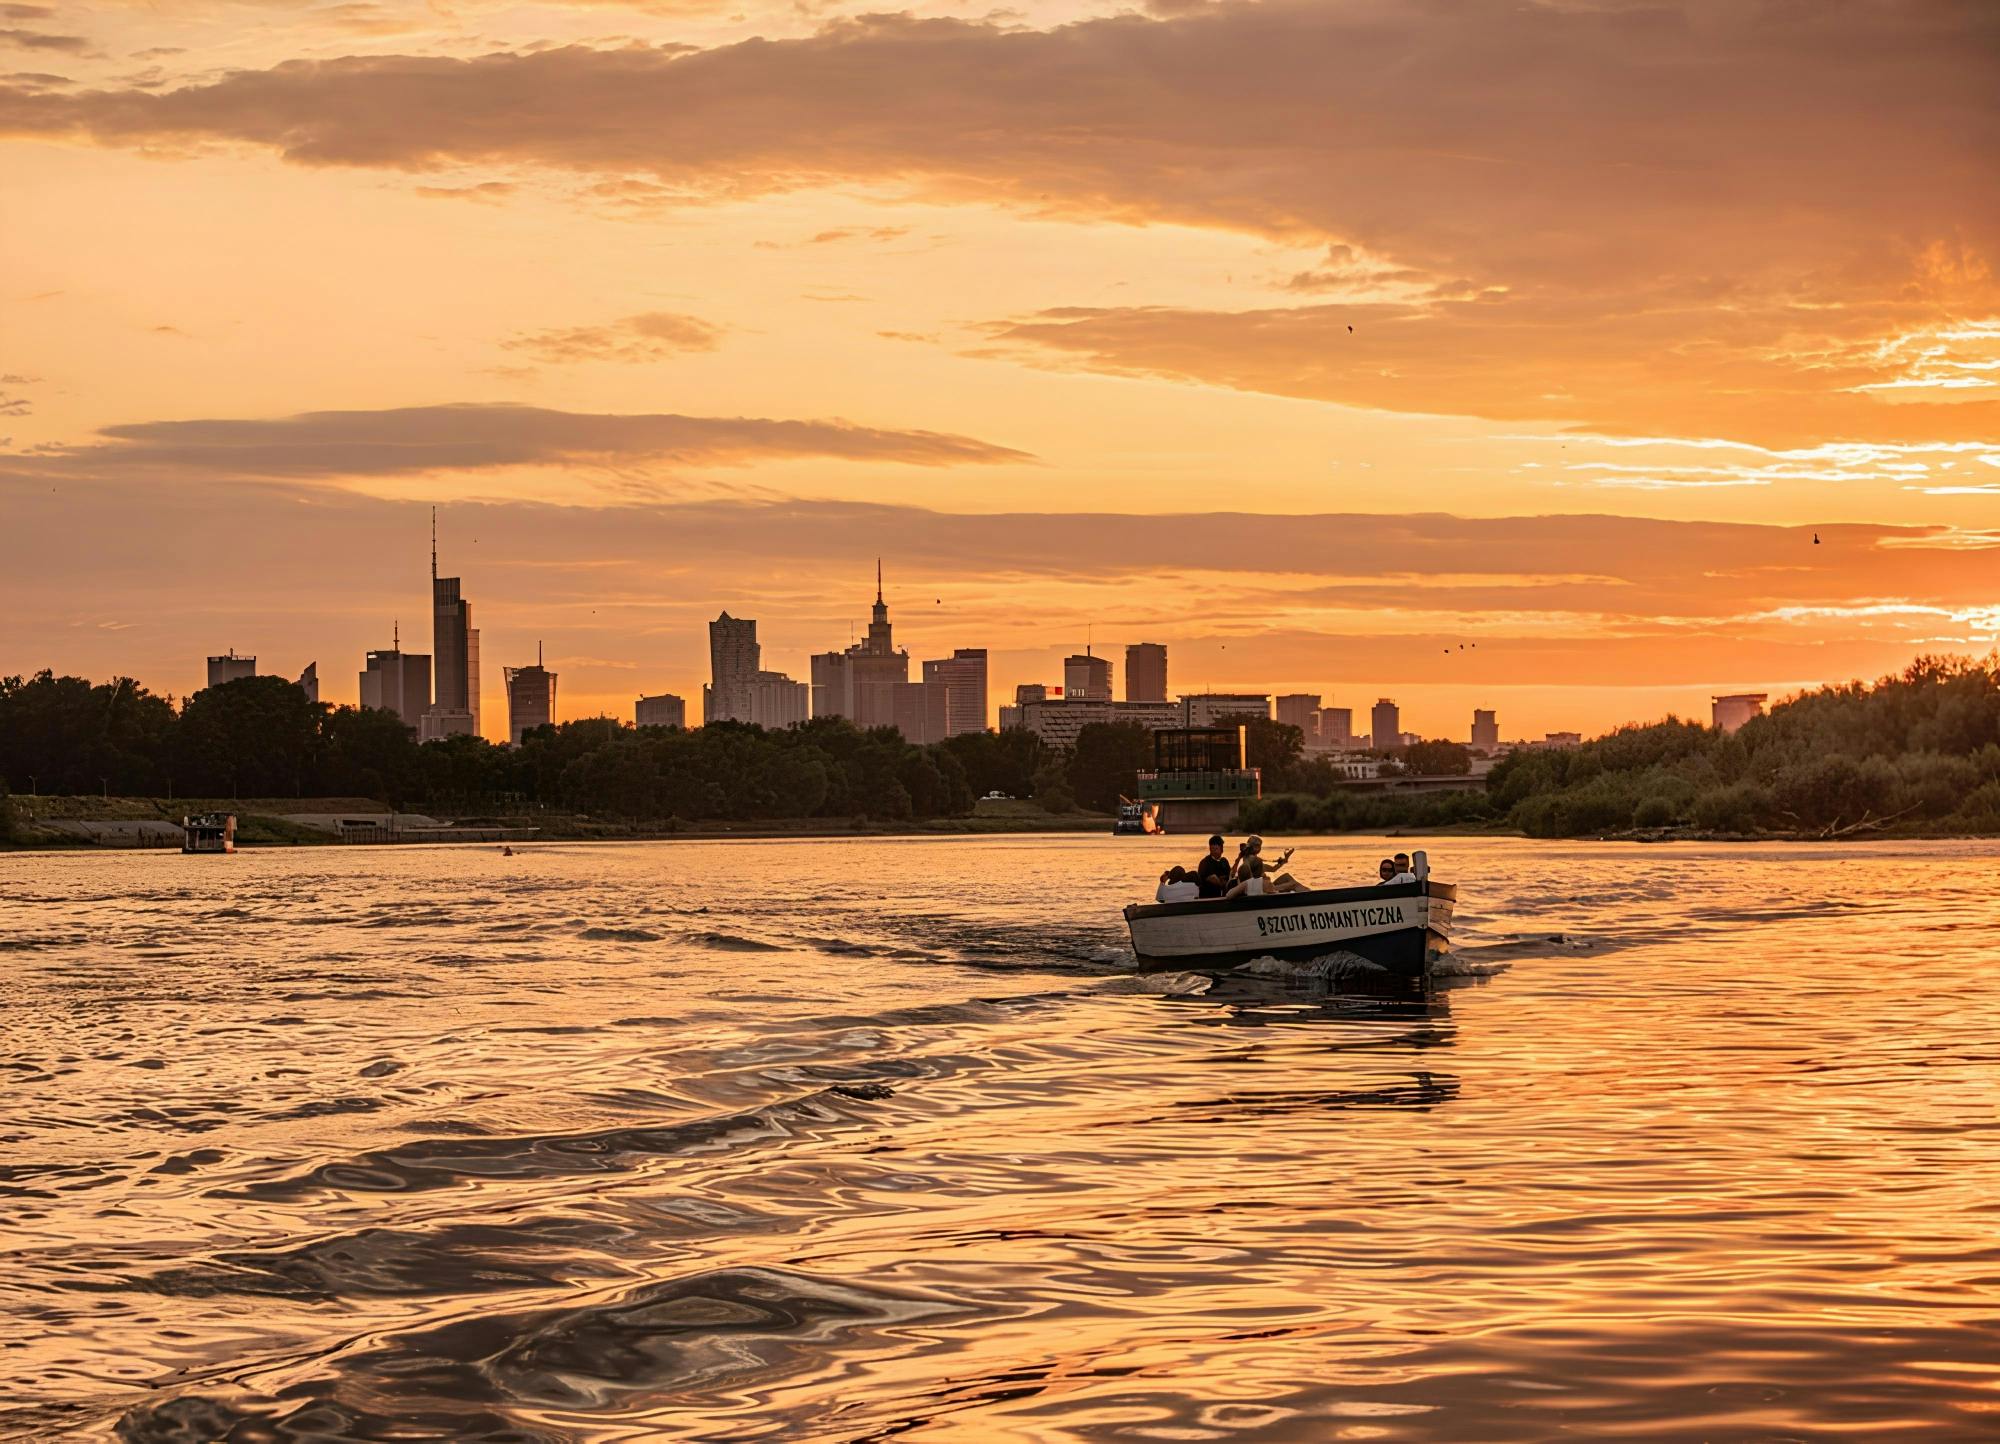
x: 1275, y: 877
x: 1397, y: 869
x: 1175, y: 887
x: 1249, y: 879
x: 1211, y: 874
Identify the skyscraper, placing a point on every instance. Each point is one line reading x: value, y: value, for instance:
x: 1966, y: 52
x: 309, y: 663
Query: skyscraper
x: 1336, y: 728
x: 1485, y: 729
x: 230, y: 668
x: 398, y: 681
x: 853, y: 684
x: 1145, y: 672
x: 964, y: 673
x: 1386, y: 723
x: 531, y: 698
x: 1296, y: 709
x: 454, y: 705
x: 734, y: 659
x: 1086, y: 678
x: 309, y: 681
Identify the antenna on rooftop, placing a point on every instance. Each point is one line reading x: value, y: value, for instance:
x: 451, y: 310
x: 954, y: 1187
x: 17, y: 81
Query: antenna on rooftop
x: 396, y: 636
x: 434, y: 544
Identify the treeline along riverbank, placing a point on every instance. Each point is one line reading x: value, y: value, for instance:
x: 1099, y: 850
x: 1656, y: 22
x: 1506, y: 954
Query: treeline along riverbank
x: 1916, y: 752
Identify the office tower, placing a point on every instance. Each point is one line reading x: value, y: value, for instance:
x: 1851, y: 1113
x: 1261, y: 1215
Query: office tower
x: 853, y: 683
x: 1145, y: 672
x: 734, y: 659
x: 964, y: 673
x: 1296, y: 709
x: 309, y: 681
x: 1336, y: 728
x: 531, y: 698
x: 1386, y: 726
x: 1208, y: 709
x: 454, y: 704
x: 398, y: 681
x: 472, y: 673
x: 1485, y: 729
x: 1087, y: 678
x: 665, y: 710
x: 1730, y: 712
x: 776, y: 701
x: 230, y: 668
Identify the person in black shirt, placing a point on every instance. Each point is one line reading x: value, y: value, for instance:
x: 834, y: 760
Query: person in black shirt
x: 1211, y: 874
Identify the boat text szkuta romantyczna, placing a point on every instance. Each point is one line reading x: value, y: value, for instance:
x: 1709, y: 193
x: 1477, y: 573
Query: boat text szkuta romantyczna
x: 1399, y: 924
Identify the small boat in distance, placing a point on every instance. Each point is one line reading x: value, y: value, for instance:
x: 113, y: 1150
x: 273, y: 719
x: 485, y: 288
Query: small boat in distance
x: 1399, y: 927
x: 1136, y: 819
x: 209, y: 832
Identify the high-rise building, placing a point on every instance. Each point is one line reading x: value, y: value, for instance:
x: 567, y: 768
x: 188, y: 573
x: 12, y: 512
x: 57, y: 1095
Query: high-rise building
x: 1730, y: 712
x: 1087, y: 678
x: 454, y: 704
x: 1297, y: 709
x: 776, y: 701
x: 665, y: 710
x: 398, y: 681
x: 853, y: 684
x: 964, y: 672
x: 734, y: 660
x: 531, y: 698
x: 1385, y: 724
x: 1207, y: 709
x: 1485, y: 729
x: 1336, y: 729
x: 1145, y: 672
x: 309, y: 681
x: 472, y: 674
x: 230, y: 668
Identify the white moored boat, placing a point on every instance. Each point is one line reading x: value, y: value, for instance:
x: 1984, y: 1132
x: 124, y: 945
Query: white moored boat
x: 1398, y: 926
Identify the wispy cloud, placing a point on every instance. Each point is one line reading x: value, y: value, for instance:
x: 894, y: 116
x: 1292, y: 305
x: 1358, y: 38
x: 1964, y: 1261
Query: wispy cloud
x: 651, y: 336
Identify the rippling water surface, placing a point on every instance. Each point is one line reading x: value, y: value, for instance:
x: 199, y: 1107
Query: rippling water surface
x: 858, y: 1140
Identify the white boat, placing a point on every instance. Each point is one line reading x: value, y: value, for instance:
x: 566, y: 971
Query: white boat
x: 1398, y: 926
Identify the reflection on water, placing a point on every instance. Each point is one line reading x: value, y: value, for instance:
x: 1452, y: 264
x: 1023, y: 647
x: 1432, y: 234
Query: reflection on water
x: 861, y: 1140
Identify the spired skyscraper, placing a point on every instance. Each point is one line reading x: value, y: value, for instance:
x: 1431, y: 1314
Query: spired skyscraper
x: 454, y: 708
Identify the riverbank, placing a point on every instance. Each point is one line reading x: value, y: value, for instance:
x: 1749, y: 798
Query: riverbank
x: 38, y: 824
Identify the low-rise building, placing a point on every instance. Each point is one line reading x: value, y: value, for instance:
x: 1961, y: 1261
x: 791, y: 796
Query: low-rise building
x: 665, y: 710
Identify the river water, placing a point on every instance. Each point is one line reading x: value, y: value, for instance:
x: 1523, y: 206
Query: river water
x: 852, y: 1140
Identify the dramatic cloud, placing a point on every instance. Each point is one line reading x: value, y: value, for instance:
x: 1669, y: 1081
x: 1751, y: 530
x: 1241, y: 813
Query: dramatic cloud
x: 1652, y: 365
x: 653, y: 336
x: 336, y: 445
x: 40, y: 40
x: 1711, y: 195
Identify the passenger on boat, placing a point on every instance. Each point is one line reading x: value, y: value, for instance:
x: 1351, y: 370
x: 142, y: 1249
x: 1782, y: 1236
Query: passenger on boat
x: 1175, y: 887
x: 1211, y: 874
x: 1269, y: 876
x: 1396, y: 869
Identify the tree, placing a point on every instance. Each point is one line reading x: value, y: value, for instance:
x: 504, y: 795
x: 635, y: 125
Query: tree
x: 1105, y: 763
x: 1438, y: 759
x: 253, y: 737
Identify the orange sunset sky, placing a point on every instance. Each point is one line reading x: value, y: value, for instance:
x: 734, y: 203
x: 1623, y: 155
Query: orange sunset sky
x: 1310, y: 339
